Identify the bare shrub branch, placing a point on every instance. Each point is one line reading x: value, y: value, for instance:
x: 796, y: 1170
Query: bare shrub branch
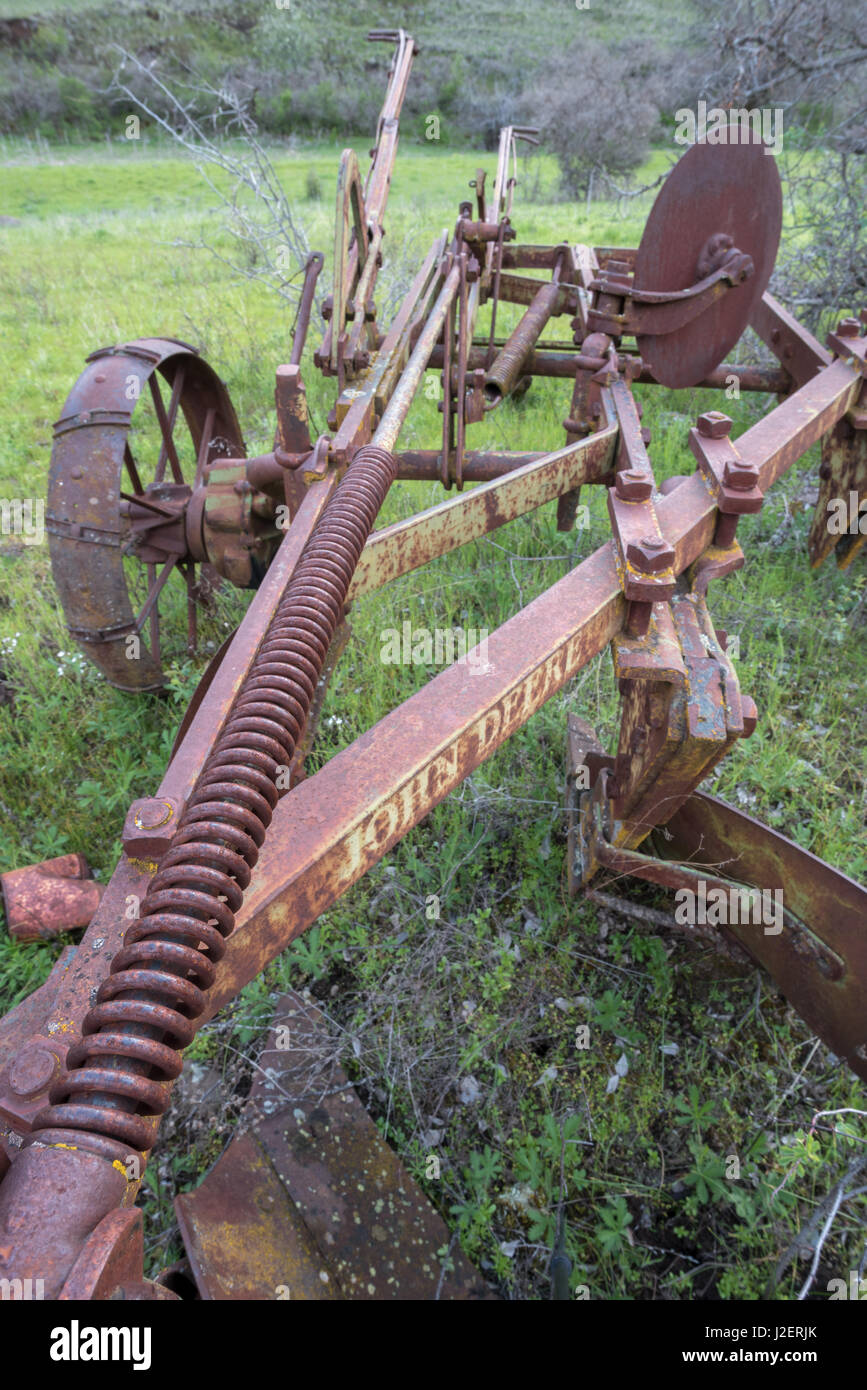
x: 270, y: 244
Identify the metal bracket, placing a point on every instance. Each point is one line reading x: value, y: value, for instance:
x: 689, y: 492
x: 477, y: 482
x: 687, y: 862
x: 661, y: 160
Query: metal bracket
x: 645, y: 560
x: 659, y: 312
x: 682, y: 710
x: 596, y: 852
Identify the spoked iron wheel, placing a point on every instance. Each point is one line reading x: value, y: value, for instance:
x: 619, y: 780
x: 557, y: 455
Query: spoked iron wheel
x: 119, y: 519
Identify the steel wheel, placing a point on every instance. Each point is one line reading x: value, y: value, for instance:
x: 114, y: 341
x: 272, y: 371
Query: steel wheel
x: 118, y: 493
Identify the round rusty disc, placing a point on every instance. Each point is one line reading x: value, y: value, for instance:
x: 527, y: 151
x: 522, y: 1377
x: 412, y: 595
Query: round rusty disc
x: 733, y: 190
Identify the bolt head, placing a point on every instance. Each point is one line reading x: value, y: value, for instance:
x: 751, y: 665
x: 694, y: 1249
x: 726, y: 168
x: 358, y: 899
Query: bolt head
x: 713, y: 424
x: 848, y: 328
x: 650, y: 555
x: 152, y: 813
x: 740, y: 476
x: 632, y: 485
x: 149, y: 827
x: 31, y: 1070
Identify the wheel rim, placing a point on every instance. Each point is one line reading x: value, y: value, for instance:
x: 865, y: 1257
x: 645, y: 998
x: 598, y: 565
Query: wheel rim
x: 138, y: 429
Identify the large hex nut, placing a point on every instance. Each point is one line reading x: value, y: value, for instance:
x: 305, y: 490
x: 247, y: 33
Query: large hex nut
x: 150, y: 826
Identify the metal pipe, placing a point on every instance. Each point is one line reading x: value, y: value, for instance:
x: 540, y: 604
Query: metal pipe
x: 396, y: 411
x: 773, y: 380
x: 562, y: 364
x: 311, y: 275
x: 509, y: 362
x: 43, y: 900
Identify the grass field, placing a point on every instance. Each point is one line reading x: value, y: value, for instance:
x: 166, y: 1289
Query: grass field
x: 459, y: 1032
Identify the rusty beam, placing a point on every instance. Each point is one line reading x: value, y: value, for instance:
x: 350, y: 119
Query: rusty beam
x: 799, y: 352
x: 775, y: 442
x: 361, y: 404
x: 390, y: 778
x: 804, y: 964
x: 561, y: 364
x: 425, y: 465
x: 341, y: 821
x: 389, y: 427
x: 411, y: 543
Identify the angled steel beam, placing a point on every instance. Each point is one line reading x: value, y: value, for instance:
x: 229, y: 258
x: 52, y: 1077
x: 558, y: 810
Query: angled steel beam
x: 413, y: 542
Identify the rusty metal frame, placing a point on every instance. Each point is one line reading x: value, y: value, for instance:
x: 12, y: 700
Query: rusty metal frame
x: 391, y: 777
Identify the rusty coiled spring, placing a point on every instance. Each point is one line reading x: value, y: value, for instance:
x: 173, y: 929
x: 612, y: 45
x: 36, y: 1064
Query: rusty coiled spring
x: 147, y: 1008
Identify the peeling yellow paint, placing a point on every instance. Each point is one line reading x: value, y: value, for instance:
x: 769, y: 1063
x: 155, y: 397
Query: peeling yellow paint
x: 144, y: 866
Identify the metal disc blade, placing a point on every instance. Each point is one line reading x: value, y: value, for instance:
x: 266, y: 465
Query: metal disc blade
x: 733, y: 189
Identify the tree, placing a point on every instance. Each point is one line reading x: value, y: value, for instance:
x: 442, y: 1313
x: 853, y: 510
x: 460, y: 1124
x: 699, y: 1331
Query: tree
x: 808, y: 59
x: 597, y: 108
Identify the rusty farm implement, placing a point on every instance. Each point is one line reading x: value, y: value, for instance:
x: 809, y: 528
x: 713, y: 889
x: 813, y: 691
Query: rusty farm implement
x: 233, y: 855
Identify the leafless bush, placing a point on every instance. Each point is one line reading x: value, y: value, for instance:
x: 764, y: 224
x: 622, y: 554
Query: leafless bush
x: 621, y: 190
x: 486, y: 112
x: 26, y: 104
x: 822, y: 271
x: 597, y: 108
x: 268, y: 241
x: 808, y: 57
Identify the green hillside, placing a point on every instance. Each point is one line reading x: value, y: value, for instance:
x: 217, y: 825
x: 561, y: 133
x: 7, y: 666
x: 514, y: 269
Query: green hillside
x: 307, y: 66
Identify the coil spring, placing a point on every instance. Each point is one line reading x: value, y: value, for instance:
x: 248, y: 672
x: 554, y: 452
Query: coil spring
x: 146, y: 1009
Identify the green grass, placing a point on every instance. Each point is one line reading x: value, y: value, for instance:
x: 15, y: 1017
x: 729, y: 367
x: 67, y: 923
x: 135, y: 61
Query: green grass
x: 493, y: 989
x: 25, y: 9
